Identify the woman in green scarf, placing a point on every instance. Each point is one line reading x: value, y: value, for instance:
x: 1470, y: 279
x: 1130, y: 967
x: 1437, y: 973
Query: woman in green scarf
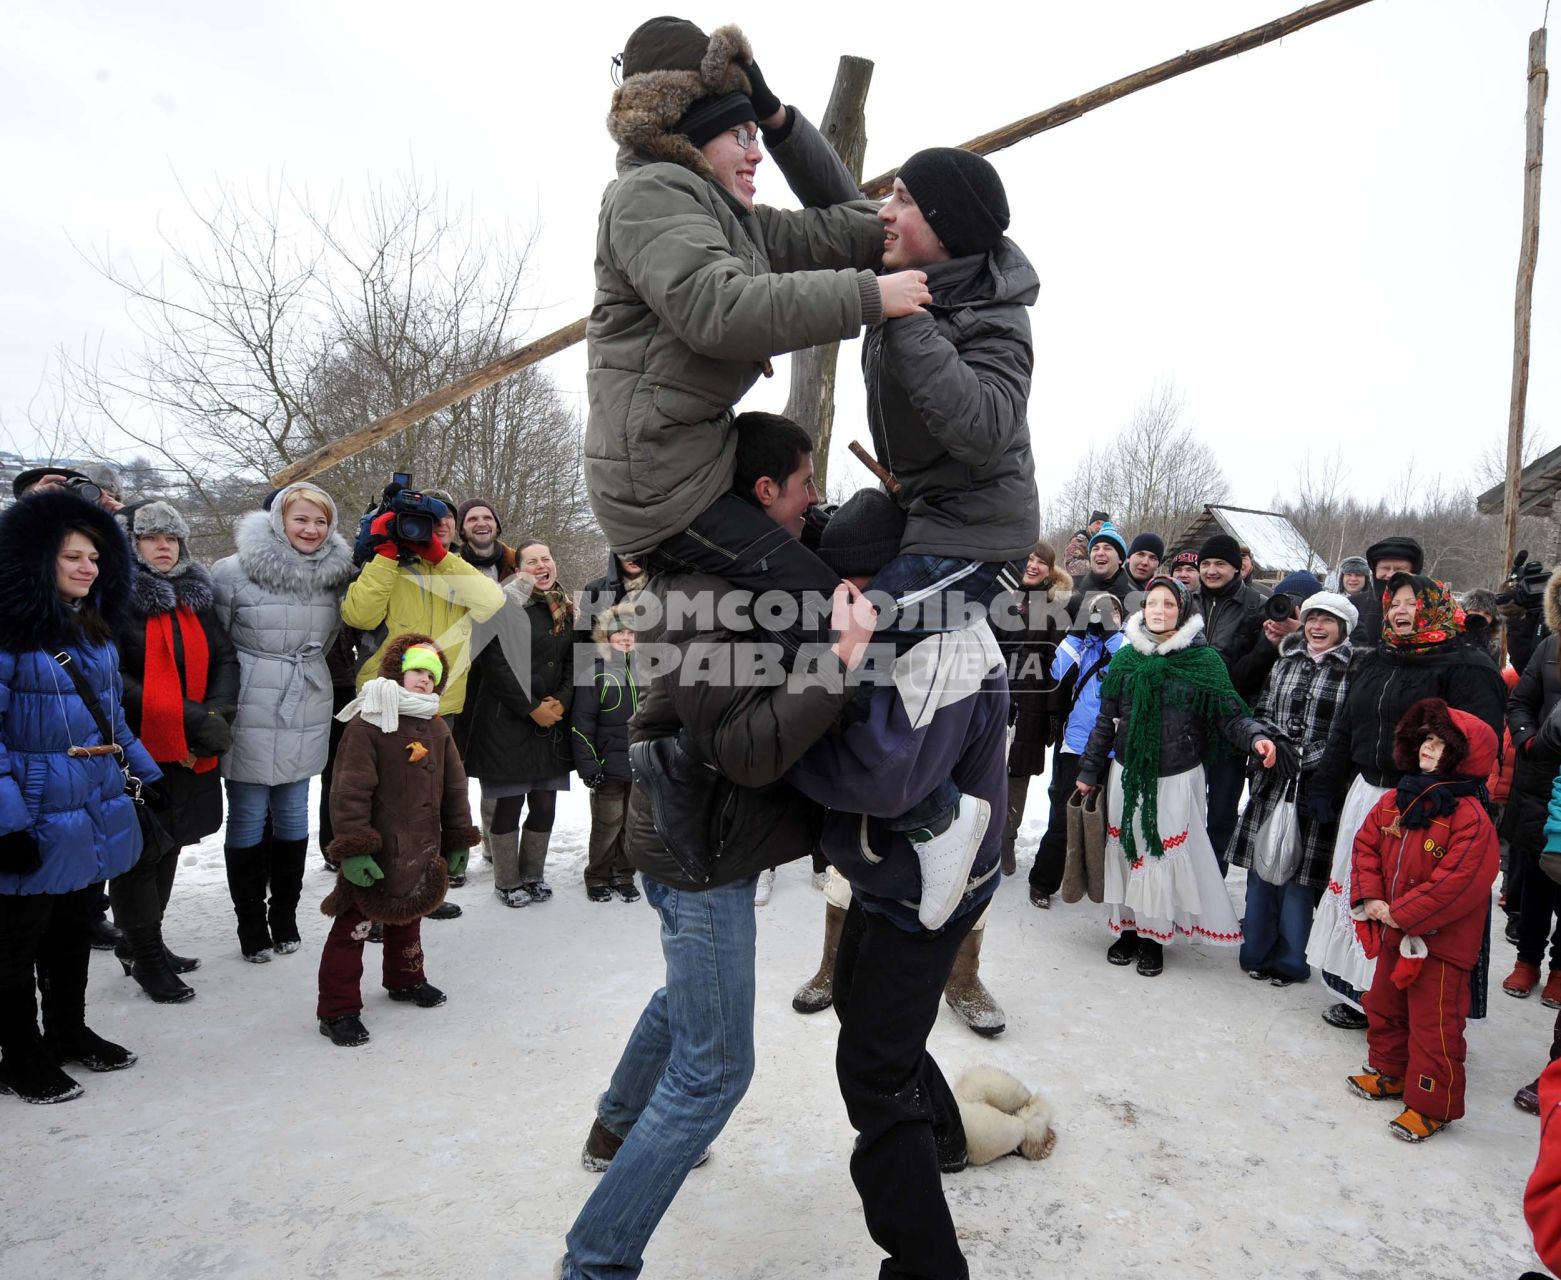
x: 1166, y: 707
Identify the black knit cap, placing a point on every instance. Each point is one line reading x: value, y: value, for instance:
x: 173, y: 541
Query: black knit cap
x: 960, y: 195
x: 864, y: 535
x: 1221, y: 546
x: 663, y: 44
x: 710, y: 117
x: 1396, y: 548
x: 1153, y: 543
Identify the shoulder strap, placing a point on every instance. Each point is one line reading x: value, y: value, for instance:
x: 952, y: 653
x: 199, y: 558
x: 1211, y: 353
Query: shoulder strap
x: 1087, y: 676
x: 88, y: 697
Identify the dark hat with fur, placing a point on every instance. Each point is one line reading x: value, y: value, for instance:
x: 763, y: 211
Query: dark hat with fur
x: 32, y: 613
x: 1471, y: 745
x: 960, y: 195
x: 1396, y: 548
x: 396, y: 651
x: 662, y: 79
x: 157, y: 516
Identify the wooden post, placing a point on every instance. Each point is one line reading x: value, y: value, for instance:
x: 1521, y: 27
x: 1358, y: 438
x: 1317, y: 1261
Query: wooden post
x: 390, y: 424
x: 811, y: 401
x: 1528, y: 258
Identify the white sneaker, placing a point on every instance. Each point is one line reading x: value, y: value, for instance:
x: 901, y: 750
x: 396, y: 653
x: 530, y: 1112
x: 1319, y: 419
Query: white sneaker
x: 946, y: 861
x: 820, y: 880
x: 765, y: 887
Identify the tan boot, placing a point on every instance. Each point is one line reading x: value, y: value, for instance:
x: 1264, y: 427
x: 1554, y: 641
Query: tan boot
x: 967, y: 996
x: 818, y: 992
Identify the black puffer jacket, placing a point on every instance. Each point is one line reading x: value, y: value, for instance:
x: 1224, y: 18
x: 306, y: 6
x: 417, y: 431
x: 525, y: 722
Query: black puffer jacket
x: 1184, y: 736
x: 1536, y: 736
x: 752, y: 733
x: 1383, y: 687
x: 947, y: 401
x: 194, y: 799
x: 599, y: 719
x: 505, y: 745
x: 1028, y: 652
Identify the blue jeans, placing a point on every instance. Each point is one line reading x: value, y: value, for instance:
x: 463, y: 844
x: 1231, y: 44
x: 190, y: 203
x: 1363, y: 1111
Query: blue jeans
x: 1225, y: 780
x: 686, y: 1067
x: 249, y: 802
x: 1277, y: 923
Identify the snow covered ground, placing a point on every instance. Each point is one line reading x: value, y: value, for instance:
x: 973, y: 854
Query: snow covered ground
x: 1204, y: 1128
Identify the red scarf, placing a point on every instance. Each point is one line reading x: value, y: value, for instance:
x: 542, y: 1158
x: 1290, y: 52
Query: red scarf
x: 162, y: 696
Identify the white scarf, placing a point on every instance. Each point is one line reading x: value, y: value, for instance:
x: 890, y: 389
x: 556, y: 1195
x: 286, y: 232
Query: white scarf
x: 383, y: 702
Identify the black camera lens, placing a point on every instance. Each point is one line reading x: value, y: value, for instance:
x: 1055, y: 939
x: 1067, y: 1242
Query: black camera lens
x: 1279, y: 608
x: 84, y: 489
x: 413, y: 527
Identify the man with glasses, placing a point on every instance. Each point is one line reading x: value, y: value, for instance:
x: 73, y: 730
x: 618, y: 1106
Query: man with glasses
x: 697, y: 287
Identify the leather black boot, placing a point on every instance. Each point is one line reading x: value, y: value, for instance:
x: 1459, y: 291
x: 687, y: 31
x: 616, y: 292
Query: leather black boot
x: 247, y: 887
x: 151, y: 970
x: 285, y: 871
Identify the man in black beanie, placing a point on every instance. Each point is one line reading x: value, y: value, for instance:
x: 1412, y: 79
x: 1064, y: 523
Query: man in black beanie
x: 1397, y: 553
x: 1143, y: 558
x: 697, y: 287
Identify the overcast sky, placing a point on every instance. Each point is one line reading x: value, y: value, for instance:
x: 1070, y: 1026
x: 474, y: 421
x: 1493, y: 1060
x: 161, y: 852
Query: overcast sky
x: 1317, y: 241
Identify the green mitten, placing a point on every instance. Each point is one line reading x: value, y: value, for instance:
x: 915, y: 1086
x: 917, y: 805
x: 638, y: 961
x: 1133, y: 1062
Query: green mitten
x: 458, y: 858
x: 361, y: 870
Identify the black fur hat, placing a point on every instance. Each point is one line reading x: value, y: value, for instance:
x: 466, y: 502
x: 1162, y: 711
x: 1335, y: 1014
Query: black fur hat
x: 32, y: 614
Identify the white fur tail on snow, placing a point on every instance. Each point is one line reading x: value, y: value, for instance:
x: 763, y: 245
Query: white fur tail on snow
x: 1002, y: 1116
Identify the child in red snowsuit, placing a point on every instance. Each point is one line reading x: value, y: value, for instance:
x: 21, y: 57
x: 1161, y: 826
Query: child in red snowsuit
x: 1425, y: 860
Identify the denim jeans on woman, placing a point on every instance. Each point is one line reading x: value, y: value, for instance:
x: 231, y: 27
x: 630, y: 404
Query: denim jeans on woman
x: 249, y: 802
x: 686, y: 1067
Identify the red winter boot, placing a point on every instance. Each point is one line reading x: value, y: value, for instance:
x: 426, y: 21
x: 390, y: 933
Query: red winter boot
x: 1522, y: 981
x: 1550, y: 997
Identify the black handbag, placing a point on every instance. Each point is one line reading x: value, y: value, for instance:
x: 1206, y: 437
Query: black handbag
x: 154, y: 836
x: 690, y: 801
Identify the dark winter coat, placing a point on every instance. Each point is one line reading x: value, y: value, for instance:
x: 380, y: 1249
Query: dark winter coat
x: 506, y: 746
x: 604, y: 592
x: 695, y: 293
x: 1435, y: 879
x: 1029, y: 652
x: 1368, y: 618
x: 1184, y: 734
x: 1298, y: 704
x: 751, y: 732
x: 1233, y: 623
x: 599, y: 716
x: 1121, y: 586
x: 194, y: 799
x: 1536, y: 733
x: 1385, y: 684
x: 875, y: 768
x: 75, y: 807
x: 401, y: 798
x: 947, y: 402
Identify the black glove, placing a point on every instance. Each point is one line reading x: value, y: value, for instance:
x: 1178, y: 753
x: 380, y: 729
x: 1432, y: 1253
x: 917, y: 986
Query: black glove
x: 212, y: 736
x: 765, y: 103
x: 594, y: 780
x: 1287, y: 762
x: 1320, y: 807
x: 19, y: 854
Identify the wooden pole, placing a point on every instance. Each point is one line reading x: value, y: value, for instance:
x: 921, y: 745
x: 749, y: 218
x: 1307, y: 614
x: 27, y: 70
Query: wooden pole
x: 811, y: 401
x: 1528, y: 258
x: 1072, y: 109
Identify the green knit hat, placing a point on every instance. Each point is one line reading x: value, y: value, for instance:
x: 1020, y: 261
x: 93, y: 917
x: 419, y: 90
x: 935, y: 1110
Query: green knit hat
x: 423, y: 657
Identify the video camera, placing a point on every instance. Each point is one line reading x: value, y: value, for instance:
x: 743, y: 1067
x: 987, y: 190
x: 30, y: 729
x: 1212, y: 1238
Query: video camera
x: 416, y: 516
x: 1524, y: 588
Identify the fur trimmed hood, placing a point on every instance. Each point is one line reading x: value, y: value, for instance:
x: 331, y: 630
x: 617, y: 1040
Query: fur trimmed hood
x: 623, y: 616
x: 647, y: 106
x: 1058, y: 584
x: 392, y: 654
x: 1553, y: 601
x: 152, y: 593
x: 1138, y: 634
x: 269, y: 559
x: 32, y: 614
x: 1471, y: 745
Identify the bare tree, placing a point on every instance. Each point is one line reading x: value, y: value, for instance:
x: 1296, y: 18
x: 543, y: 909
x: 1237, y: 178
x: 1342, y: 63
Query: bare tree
x: 278, y: 322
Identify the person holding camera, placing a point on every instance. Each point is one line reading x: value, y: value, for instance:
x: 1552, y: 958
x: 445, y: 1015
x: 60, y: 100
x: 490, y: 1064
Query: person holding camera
x: 70, y: 774
x: 279, y: 599
x: 181, y: 678
x: 411, y: 583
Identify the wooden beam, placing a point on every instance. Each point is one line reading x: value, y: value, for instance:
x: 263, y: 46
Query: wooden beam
x: 1072, y: 109
x: 811, y: 401
x: 1523, y: 307
x: 311, y: 464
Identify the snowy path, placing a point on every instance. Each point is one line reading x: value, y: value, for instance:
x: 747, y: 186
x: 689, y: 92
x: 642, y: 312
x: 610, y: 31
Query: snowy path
x: 1204, y: 1129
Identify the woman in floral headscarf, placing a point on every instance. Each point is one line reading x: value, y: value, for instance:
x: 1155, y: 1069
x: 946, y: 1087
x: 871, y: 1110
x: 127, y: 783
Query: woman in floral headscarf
x: 1422, y: 655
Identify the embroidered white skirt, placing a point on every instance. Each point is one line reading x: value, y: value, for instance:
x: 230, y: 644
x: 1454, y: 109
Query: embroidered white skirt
x: 1179, y: 895
x: 1333, y: 946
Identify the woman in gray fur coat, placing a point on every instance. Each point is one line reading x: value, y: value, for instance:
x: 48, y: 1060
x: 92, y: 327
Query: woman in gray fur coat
x: 279, y: 596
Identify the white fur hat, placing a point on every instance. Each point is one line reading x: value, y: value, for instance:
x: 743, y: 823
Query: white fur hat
x: 1334, y: 603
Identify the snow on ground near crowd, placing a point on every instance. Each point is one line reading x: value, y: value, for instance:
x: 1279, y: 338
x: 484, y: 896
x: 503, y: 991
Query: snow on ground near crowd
x: 1204, y: 1127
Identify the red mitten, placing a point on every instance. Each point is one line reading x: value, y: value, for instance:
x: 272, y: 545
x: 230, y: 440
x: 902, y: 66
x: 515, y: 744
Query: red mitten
x: 385, y: 544
x: 1412, y: 953
x: 432, y: 551
x: 1368, y: 932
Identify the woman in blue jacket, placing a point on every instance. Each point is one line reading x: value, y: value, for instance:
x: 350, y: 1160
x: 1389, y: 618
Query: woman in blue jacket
x: 66, y: 819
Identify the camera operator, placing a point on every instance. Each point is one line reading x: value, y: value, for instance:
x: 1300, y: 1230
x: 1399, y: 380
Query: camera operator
x: 1522, y: 605
x: 418, y: 586
x: 100, y: 489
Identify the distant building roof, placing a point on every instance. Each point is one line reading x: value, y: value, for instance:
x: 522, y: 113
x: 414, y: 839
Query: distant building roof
x: 1538, y: 484
x: 1277, y: 545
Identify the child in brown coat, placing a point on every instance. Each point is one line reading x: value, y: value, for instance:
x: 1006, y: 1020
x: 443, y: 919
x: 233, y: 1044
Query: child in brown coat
x: 403, y: 826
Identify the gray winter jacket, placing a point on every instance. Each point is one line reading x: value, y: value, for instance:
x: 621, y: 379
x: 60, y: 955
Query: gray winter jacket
x: 282, y: 610
x: 694, y: 294
x: 947, y: 392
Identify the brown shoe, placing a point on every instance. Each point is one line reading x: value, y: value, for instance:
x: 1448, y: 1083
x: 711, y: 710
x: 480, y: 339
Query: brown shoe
x: 967, y: 995
x: 1527, y: 1098
x: 1522, y: 980
x: 1375, y: 1086
x: 818, y: 992
x: 601, y: 1145
x: 1411, y: 1126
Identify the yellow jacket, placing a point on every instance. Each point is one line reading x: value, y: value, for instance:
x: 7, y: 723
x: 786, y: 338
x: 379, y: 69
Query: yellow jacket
x: 441, y: 600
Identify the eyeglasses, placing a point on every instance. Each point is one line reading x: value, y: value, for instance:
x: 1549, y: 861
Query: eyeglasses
x: 745, y: 137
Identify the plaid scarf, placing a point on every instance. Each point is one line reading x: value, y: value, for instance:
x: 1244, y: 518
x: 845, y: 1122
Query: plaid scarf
x: 559, y: 605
